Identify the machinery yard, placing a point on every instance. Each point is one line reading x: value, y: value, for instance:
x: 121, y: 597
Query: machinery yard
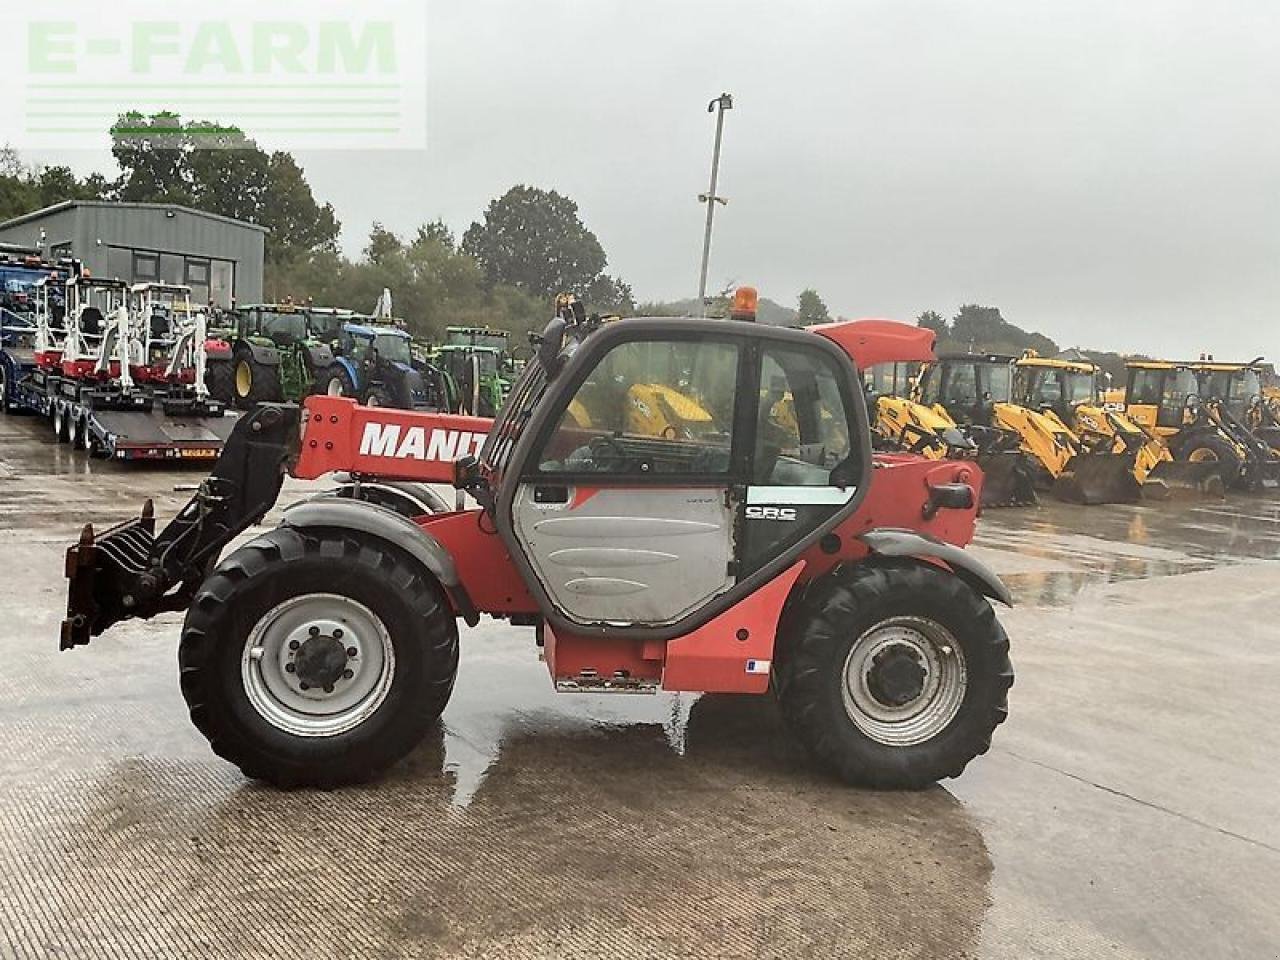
x: 1127, y: 808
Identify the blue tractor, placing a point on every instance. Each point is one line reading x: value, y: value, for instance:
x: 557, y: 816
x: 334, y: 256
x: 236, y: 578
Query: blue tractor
x: 374, y: 364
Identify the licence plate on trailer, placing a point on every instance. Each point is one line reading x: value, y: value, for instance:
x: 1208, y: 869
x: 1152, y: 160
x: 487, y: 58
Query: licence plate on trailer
x: 200, y: 453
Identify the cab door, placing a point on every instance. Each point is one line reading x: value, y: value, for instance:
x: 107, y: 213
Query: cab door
x: 678, y: 468
x: 625, y: 510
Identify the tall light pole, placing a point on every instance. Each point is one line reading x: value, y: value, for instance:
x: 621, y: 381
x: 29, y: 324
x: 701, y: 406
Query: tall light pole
x: 718, y: 106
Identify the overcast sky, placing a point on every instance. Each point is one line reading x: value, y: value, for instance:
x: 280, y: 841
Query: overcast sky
x: 1104, y: 172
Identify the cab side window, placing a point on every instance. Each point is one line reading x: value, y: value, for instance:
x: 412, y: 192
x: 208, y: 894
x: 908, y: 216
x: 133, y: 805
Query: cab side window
x: 650, y: 407
x: 1148, y: 387
x: 802, y: 426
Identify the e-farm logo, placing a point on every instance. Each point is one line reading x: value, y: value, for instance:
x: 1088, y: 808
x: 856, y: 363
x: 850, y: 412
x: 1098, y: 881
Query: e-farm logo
x: 288, y: 74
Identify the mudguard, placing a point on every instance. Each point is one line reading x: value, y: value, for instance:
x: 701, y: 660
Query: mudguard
x: 890, y: 542
x: 268, y: 356
x: 320, y: 356
x: 376, y: 521
x: 348, y: 366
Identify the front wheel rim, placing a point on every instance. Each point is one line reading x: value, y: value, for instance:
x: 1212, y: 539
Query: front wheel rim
x: 318, y: 665
x: 904, y: 681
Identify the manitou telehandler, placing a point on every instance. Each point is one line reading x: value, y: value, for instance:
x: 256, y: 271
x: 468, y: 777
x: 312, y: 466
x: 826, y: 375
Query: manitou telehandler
x: 741, y: 555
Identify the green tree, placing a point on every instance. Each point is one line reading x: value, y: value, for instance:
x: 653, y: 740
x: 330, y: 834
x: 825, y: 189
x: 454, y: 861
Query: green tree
x: 933, y: 320
x: 534, y: 240
x: 811, y: 309
x: 606, y: 294
x: 221, y: 170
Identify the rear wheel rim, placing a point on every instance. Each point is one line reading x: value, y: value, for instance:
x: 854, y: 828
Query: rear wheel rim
x: 904, y: 681
x: 1203, y: 455
x: 318, y: 665
x: 244, y: 379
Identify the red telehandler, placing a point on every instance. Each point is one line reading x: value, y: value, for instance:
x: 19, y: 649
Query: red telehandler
x: 741, y: 538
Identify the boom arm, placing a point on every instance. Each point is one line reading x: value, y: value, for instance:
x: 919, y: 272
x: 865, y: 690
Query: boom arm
x: 130, y: 571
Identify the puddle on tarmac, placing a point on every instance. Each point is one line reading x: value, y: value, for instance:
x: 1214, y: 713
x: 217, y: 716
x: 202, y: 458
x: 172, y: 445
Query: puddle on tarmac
x: 1048, y: 555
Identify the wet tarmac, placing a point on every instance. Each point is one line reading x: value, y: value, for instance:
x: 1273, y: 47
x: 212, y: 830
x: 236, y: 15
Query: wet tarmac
x: 1127, y: 809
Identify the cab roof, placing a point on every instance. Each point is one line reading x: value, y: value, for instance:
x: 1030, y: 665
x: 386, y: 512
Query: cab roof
x: 1055, y: 363
x: 374, y: 330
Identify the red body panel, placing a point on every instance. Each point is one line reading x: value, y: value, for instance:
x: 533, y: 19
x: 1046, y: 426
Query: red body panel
x: 84, y: 370
x: 338, y: 434
x: 733, y: 652
x: 49, y: 360
x: 484, y: 565
x: 870, y: 342
x: 569, y: 656
x: 217, y: 349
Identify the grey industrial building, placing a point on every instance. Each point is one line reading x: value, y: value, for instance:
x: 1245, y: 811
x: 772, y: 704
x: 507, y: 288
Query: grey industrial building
x: 221, y: 259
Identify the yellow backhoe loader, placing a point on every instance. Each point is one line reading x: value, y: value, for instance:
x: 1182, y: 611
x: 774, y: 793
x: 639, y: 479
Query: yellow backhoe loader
x: 1165, y: 397
x: 978, y: 392
x: 1073, y: 388
x: 901, y: 422
x: 1240, y: 389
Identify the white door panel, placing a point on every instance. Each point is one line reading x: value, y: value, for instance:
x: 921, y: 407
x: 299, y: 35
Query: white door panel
x: 629, y: 555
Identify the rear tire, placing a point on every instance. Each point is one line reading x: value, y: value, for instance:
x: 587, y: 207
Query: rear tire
x: 220, y: 379
x: 258, y: 599
x: 4, y: 389
x: 893, y: 675
x: 255, y: 382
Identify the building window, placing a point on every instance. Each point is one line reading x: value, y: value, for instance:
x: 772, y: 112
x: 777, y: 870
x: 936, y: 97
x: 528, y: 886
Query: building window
x: 198, y: 273
x: 146, y: 267
x: 60, y: 251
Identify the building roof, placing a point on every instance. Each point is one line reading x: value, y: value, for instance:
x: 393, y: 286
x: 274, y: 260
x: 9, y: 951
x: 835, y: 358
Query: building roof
x: 113, y: 205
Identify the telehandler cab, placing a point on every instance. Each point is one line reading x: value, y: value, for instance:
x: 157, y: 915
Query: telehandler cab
x: 740, y: 554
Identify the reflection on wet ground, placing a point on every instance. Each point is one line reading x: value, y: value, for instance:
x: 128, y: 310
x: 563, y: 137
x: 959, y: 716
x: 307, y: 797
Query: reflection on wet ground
x: 1050, y: 553
x: 1124, y: 811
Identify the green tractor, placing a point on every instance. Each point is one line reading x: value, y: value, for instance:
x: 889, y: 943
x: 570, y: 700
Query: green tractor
x: 480, y: 362
x: 278, y: 350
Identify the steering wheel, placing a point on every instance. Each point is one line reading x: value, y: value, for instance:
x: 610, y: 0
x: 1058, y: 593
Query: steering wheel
x: 607, y: 454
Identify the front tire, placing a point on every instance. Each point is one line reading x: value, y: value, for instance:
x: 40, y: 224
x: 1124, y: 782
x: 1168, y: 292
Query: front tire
x: 267, y: 666
x: 893, y: 675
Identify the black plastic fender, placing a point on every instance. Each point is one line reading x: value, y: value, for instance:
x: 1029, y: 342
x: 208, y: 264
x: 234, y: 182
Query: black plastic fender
x: 319, y: 357
x: 892, y: 542
x: 389, y: 526
x: 268, y: 356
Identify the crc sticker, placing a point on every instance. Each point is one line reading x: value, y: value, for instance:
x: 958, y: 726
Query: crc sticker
x: 786, y: 514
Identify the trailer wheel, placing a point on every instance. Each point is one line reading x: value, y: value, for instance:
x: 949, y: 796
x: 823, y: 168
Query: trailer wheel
x: 61, y: 423
x: 894, y: 675
x: 255, y: 382
x: 317, y: 658
x: 84, y: 437
x: 220, y: 378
